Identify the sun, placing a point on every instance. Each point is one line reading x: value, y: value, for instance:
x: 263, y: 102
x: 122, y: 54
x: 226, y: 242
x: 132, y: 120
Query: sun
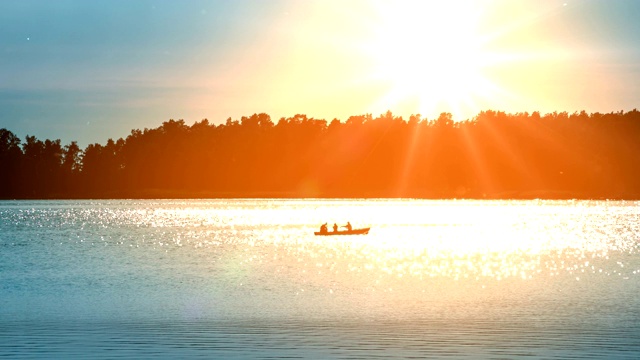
x: 430, y: 56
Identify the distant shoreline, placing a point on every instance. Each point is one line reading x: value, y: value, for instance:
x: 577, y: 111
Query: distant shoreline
x: 173, y: 195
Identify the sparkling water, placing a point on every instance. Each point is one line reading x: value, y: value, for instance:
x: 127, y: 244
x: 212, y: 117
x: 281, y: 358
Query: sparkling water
x: 248, y: 279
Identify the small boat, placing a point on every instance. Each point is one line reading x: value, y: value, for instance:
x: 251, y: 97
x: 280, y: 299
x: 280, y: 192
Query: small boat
x: 363, y: 231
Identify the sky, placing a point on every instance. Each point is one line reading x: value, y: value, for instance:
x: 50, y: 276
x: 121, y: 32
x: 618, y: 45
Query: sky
x: 88, y: 71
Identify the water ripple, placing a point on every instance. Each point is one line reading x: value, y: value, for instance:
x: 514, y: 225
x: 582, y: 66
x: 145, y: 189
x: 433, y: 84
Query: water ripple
x: 247, y: 279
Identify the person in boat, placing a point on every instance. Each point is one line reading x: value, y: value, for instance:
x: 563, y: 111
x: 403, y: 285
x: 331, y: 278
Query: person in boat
x: 348, y: 226
x: 323, y: 228
x: 335, y: 227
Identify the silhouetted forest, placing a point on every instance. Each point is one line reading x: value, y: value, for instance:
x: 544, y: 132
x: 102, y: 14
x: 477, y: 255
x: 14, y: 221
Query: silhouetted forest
x: 494, y: 155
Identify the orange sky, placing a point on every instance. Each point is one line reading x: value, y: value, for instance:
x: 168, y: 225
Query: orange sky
x: 88, y: 71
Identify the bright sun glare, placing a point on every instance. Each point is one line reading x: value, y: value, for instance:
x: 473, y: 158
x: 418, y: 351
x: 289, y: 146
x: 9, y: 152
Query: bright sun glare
x: 430, y: 54
x: 420, y: 57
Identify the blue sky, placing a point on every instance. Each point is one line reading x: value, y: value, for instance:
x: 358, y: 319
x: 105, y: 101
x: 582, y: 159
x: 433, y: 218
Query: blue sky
x: 93, y: 70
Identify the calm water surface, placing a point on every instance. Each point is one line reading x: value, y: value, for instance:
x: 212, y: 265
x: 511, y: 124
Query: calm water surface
x: 247, y: 279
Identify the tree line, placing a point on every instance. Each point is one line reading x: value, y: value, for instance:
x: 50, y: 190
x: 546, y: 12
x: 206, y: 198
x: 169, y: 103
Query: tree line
x: 493, y: 155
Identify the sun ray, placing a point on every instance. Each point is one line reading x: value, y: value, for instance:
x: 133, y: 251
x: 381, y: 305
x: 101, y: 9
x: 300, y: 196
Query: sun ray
x: 429, y: 52
x: 410, y: 150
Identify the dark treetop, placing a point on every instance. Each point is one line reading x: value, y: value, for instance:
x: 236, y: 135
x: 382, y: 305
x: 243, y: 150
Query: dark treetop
x: 494, y: 155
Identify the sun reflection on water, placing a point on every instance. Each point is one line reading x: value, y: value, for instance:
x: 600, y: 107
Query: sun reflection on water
x: 414, y: 246
x: 423, y: 245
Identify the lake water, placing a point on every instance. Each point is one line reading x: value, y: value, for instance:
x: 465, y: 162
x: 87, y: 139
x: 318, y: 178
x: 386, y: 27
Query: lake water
x: 248, y: 279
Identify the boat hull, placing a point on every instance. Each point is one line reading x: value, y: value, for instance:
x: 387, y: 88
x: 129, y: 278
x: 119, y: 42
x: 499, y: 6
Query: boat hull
x: 363, y: 231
